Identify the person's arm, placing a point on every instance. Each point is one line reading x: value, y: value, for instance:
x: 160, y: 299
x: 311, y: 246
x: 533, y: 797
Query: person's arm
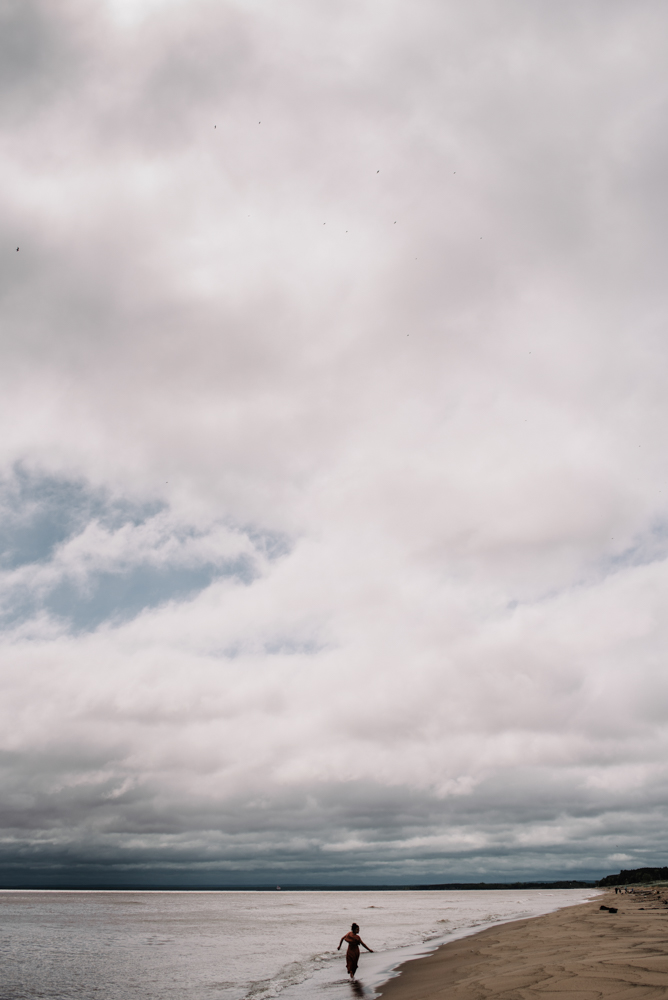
x: 366, y: 945
x: 341, y: 942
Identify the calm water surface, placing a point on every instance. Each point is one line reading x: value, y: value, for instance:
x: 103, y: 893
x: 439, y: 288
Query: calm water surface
x: 232, y: 945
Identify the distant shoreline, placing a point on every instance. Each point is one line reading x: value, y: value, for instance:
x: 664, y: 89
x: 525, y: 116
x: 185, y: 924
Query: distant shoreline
x: 447, y: 887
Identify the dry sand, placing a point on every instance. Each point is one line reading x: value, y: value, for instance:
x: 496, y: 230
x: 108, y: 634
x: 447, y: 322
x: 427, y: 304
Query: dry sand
x: 581, y: 952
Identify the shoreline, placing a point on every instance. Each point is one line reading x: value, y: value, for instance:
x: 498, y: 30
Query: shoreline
x: 580, y: 950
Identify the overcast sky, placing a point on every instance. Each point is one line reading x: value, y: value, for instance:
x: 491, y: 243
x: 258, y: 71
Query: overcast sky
x: 333, y: 465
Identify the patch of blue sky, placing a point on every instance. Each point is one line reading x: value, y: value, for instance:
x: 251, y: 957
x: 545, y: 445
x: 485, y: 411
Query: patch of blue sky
x: 272, y: 545
x: 117, y: 597
x: 650, y: 547
x: 42, y: 514
x: 39, y: 512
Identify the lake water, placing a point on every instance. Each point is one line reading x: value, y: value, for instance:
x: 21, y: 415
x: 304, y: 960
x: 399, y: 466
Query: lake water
x: 59, y: 945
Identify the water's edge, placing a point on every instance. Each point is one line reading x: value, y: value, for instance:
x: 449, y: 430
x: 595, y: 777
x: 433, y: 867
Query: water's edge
x: 415, y: 953
x: 377, y: 969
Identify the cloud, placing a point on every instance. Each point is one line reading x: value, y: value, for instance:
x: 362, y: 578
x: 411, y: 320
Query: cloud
x: 333, y: 476
x: 87, y: 557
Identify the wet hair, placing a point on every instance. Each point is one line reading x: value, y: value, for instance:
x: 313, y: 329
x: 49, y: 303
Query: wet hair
x: 355, y: 928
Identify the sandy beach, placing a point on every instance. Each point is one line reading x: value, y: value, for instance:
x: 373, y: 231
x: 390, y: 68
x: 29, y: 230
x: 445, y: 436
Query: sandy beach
x: 581, y: 951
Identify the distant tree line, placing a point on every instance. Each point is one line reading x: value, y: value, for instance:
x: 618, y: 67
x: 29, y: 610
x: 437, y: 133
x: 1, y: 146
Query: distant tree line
x: 635, y: 875
x: 572, y: 884
x: 632, y: 877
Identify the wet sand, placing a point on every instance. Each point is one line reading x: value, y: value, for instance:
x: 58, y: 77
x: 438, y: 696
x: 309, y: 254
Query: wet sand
x: 581, y: 952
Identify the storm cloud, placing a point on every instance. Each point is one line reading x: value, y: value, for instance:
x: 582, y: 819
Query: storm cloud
x: 333, y: 473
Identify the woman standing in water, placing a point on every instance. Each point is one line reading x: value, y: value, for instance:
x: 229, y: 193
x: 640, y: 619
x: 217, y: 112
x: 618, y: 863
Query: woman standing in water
x: 353, y: 954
